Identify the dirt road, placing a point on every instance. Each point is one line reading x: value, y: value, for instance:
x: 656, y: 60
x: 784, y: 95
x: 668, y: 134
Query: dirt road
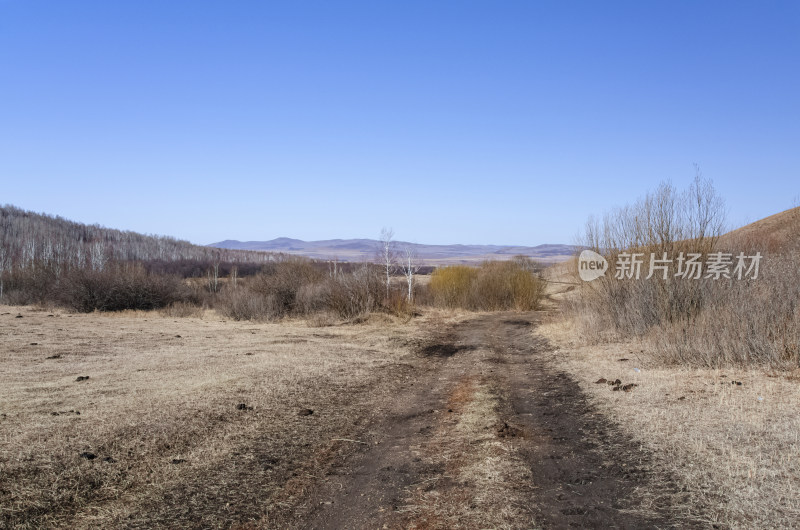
x: 486, y: 433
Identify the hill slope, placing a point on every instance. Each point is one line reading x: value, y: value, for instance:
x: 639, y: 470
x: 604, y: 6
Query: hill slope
x: 776, y: 232
x: 29, y: 239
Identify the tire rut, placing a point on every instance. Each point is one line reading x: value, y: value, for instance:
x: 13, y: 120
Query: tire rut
x: 580, y: 469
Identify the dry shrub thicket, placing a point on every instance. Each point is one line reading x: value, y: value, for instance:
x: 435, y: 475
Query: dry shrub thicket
x: 704, y: 322
x: 298, y: 287
x: 50, y: 261
x: 494, y: 286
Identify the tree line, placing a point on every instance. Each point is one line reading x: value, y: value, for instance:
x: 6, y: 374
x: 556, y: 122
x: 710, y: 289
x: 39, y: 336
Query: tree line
x: 49, y: 260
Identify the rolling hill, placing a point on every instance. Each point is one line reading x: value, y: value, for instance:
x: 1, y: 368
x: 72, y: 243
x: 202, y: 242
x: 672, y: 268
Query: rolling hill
x: 364, y: 249
x: 780, y: 231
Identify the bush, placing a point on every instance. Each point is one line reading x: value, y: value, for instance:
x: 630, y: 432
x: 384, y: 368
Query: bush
x: 701, y: 322
x: 246, y: 304
x: 30, y: 286
x: 742, y: 322
x: 506, y: 285
x: 452, y: 286
x: 282, y: 281
x: 301, y: 288
x: 124, y: 286
x: 494, y: 286
x: 398, y: 303
x: 182, y: 310
x: 353, y: 295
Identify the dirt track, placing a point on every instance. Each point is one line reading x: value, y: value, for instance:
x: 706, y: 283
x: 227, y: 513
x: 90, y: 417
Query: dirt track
x: 488, y: 433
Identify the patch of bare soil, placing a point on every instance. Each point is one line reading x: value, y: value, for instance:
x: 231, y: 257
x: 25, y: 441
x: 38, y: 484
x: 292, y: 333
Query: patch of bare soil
x: 490, y: 434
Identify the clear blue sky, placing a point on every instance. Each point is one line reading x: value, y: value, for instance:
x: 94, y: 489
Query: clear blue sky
x: 471, y: 122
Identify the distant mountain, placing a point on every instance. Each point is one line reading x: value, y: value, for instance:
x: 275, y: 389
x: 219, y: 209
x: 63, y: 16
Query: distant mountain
x: 365, y: 249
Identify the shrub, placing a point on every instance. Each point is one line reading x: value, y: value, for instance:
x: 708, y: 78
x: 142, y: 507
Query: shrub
x: 702, y: 322
x: 398, y: 303
x: 246, y: 304
x: 356, y: 294
x: 30, y: 286
x: 301, y: 288
x: 451, y: 286
x: 494, y: 286
x: 119, y: 287
x: 506, y: 285
x: 282, y: 281
x: 742, y: 322
x: 182, y: 310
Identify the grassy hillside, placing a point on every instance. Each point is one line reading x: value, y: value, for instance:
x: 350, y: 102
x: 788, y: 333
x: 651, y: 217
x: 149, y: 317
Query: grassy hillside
x: 776, y: 232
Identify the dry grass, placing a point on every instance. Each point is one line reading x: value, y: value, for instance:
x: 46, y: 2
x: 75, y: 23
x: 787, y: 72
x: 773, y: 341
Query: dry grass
x: 733, y: 448
x: 772, y: 233
x: 161, y: 405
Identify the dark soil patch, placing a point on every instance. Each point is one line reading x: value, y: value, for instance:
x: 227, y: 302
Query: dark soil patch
x: 507, y: 431
x: 439, y: 350
x: 588, y: 473
x: 517, y: 322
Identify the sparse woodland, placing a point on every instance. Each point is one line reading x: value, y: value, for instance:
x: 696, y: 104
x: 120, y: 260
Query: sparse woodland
x: 48, y: 260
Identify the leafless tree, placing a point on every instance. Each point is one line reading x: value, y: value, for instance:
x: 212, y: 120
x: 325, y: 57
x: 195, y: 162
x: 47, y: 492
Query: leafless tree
x: 4, y: 265
x: 34, y: 241
x: 234, y: 275
x: 387, y: 255
x: 98, y: 255
x: 410, y: 266
x: 213, y: 274
x: 705, y: 210
x: 333, y: 267
x: 213, y: 277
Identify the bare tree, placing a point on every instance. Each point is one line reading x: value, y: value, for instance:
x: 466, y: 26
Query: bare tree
x: 333, y: 267
x: 213, y: 275
x: 33, y: 240
x: 410, y: 266
x: 5, y: 263
x: 387, y: 255
x: 97, y: 256
x: 705, y: 210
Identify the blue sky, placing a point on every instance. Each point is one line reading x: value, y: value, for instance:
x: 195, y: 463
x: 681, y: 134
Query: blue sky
x: 452, y: 122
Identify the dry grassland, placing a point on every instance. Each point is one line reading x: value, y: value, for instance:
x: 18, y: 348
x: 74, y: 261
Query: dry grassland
x: 733, y: 448
x: 199, y: 422
x: 174, y: 413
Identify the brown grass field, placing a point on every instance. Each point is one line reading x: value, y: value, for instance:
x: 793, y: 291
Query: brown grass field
x: 448, y: 420
x: 733, y: 447
x: 159, y: 412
